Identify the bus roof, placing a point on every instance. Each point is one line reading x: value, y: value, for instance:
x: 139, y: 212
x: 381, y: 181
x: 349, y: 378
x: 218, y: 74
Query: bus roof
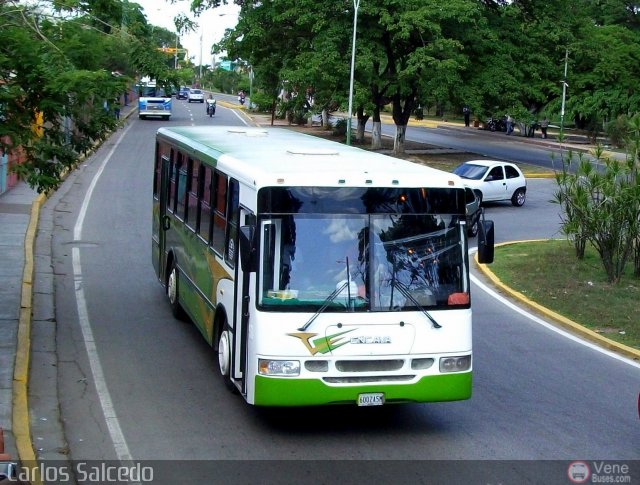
x: 279, y: 156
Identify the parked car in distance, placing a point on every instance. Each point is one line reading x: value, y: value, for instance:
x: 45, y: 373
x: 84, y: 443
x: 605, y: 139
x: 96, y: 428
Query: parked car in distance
x: 196, y: 95
x: 493, y: 180
x: 182, y: 94
x: 474, y: 211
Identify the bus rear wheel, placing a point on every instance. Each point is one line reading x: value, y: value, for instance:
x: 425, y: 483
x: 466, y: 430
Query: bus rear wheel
x: 172, y: 293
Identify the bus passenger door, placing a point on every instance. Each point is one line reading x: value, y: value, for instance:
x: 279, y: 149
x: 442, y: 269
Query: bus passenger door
x: 242, y: 311
x: 163, y: 220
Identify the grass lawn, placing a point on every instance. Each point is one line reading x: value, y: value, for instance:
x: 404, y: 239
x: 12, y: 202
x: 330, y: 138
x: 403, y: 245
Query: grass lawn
x: 549, y: 274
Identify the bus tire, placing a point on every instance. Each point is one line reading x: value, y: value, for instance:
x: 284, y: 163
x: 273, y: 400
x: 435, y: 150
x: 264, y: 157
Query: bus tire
x: 225, y: 356
x: 172, y: 293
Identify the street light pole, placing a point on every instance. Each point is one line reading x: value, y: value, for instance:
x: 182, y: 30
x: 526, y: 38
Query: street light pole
x: 356, y: 5
x: 200, y: 57
x: 250, y: 84
x: 175, y: 54
x: 564, y: 91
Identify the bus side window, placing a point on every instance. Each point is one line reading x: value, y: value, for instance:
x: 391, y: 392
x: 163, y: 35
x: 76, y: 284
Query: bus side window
x: 191, y: 218
x: 219, y: 212
x: 233, y: 214
x: 171, y: 186
x: 157, y: 172
x: 205, y: 204
x: 181, y: 190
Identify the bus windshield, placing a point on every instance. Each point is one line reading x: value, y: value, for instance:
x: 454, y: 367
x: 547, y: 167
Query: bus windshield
x: 361, y: 262
x: 152, y: 92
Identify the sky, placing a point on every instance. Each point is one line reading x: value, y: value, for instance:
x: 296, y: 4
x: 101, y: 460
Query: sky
x: 212, y: 24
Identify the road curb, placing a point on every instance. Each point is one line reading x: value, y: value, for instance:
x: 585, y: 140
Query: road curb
x: 20, y: 418
x: 562, y: 321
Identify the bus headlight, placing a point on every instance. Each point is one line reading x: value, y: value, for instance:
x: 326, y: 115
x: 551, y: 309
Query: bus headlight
x: 455, y: 364
x: 268, y: 367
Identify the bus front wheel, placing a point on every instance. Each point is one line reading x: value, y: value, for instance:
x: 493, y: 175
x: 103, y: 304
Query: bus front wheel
x: 225, y: 353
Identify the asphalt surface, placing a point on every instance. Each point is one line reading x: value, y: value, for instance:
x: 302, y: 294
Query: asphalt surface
x: 22, y: 308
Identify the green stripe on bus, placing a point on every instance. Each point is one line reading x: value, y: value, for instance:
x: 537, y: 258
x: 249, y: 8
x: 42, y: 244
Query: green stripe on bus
x: 274, y: 391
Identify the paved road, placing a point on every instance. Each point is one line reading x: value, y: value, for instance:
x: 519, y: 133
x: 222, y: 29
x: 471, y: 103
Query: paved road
x: 537, y: 394
x: 538, y: 152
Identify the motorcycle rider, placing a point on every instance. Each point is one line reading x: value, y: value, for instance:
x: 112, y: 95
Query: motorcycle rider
x: 211, y: 105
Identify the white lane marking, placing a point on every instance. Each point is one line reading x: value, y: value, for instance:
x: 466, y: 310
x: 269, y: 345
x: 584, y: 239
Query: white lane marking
x: 548, y: 325
x: 108, y: 410
x: 235, y: 112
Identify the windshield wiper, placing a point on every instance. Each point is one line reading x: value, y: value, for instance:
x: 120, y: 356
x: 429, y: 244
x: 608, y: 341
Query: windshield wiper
x: 328, y: 300
x: 325, y: 304
x: 407, y: 294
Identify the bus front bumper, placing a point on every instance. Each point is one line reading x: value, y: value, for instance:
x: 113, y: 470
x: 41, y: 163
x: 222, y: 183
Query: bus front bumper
x: 279, y: 391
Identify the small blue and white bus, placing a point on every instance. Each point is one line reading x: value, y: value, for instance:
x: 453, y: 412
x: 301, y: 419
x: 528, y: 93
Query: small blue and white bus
x: 153, y: 100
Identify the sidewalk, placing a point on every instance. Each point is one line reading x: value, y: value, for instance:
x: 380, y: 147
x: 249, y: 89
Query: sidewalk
x: 15, y: 215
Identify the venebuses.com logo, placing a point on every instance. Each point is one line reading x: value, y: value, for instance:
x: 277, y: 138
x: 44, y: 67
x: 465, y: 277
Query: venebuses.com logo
x: 579, y: 472
x: 598, y: 472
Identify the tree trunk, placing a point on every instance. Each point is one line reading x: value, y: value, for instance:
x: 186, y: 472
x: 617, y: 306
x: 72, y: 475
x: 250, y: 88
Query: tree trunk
x: 273, y: 113
x: 636, y: 257
x: 402, y: 108
x: 362, y: 121
x: 360, y: 130
x: 376, y: 136
x: 580, y: 245
x: 376, y: 131
x: 398, y: 141
x: 325, y: 118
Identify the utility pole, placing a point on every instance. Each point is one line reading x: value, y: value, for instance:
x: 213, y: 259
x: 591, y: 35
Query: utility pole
x: 564, y: 92
x: 250, y: 84
x: 201, y: 57
x: 175, y: 54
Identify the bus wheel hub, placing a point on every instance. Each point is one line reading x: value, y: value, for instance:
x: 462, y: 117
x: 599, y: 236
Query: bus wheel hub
x: 224, y: 351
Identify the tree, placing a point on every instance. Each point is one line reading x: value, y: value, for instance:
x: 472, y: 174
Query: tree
x: 56, y: 76
x: 257, y: 22
x: 603, y: 208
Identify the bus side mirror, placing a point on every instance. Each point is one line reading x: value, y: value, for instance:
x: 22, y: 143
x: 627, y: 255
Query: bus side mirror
x: 248, y: 261
x: 485, y: 242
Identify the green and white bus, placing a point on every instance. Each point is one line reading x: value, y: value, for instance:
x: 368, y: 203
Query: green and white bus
x: 319, y: 273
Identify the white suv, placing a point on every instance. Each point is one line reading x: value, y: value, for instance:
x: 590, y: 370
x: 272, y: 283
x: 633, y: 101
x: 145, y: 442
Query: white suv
x: 196, y: 95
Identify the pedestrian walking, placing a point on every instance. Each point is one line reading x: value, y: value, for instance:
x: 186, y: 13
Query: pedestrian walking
x: 116, y: 107
x: 509, y: 121
x: 467, y: 115
x: 544, y: 124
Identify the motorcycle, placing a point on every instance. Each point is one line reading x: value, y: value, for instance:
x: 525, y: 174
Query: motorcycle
x: 496, y: 124
x: 211, y: 107
x: 241, y: 100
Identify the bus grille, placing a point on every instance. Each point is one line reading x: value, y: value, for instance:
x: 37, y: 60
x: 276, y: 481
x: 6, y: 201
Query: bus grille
x: 369, y: 365
x: 366, y: 379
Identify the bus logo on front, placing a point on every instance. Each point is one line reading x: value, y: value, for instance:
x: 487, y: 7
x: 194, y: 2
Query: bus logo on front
x: 321, y: 345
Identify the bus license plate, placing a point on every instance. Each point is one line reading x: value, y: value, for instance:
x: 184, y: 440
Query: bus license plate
x: 371, y: 399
